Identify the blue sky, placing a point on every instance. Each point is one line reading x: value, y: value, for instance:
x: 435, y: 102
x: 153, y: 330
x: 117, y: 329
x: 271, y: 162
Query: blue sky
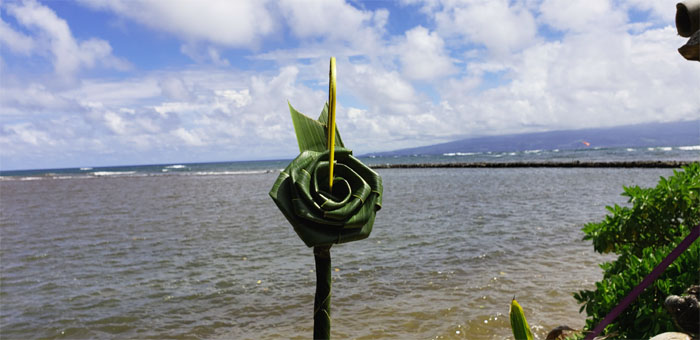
x: 93, y: 82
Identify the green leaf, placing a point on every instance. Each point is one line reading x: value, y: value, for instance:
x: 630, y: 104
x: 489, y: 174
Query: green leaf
x: 312, y: 134
x: 323, y: 119
x: 521, y: 330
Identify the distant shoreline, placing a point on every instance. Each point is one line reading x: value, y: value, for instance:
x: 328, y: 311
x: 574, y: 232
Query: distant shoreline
x: 568, y: 164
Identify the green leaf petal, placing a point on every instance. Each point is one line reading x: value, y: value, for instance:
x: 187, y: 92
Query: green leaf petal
x: 323, y: 119
x: 312, y: 134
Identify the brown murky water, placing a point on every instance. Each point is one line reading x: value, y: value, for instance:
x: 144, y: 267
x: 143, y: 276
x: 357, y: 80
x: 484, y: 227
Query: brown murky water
x: 210, y: 256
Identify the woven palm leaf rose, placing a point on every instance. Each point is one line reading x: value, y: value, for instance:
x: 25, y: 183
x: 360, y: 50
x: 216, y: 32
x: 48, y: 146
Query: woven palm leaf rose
x: 327, y: 195
x: 321, y: 216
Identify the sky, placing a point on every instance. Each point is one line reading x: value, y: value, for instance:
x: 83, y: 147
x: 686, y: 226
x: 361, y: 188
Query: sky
x: 123, y: 82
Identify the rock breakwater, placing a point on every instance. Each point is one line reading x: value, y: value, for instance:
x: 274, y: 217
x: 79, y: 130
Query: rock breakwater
x: 567, y: 164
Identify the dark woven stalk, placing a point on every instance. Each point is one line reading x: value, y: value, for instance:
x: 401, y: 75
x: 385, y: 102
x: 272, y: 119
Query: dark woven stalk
x: 322, y: 302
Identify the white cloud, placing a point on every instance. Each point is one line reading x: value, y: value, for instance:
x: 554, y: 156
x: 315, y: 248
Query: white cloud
x: 334, y: 26
x: 175, y: 89
x: 417, y: 87
x: 586, y: 80
x: 243, y: 119
x: 33, y: 98
x: 130, y: 91
x: 581, y: 81
x: 423, y: 56
x: 385, y: 92
x: 201, y: 54
x: 333, y: 19
x: 496, y: 24
x: 582, y: 16
x: 15, y: 41
x: 236, y: 98
x: 240, y: 23
x: 661, y: 10
x: 115, y: 122
x: 188, y: 137
x: 27, y: 133
x: 55, y: 36
x: 129, y: 123
x: 341, y: 27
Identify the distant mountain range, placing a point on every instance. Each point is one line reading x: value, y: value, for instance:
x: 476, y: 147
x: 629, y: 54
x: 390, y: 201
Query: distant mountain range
x: 641, y: 135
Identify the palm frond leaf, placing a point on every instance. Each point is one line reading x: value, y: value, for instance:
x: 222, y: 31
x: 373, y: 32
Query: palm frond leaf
x: 312, y: 134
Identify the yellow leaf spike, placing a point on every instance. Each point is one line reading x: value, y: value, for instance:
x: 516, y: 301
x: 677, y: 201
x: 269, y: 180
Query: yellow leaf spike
x: 521, y: 330
x: 331, y: 122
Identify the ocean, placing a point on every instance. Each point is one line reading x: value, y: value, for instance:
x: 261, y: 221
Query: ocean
x: 200, y: 251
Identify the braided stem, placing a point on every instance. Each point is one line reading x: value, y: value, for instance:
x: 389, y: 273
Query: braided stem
x: 322, y: 301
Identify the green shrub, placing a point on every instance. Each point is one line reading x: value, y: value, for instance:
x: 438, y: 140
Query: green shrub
x: 642, y: 235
